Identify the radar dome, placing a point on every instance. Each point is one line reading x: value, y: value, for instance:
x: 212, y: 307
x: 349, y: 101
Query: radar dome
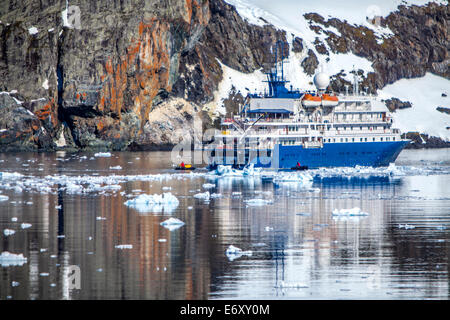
x: 321, y: 81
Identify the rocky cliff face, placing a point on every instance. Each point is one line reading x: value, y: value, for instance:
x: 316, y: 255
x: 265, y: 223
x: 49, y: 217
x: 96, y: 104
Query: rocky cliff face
x: 136, y: 74
x: 419, y: 43
x: 117, y: 74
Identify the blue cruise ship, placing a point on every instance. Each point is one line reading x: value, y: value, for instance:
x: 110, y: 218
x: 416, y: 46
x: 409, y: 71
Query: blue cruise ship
x: 292, y: 129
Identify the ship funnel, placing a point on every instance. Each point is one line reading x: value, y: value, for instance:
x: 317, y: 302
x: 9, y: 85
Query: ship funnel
x: 321, y: 81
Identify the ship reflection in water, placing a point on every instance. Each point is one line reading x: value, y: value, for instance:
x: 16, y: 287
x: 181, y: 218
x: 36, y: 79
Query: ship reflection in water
x: 299, y: 248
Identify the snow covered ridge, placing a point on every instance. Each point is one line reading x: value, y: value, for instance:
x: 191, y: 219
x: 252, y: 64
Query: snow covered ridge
x: 425, y: 95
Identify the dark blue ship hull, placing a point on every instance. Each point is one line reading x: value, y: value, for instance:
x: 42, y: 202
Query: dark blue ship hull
x: 372, y: 154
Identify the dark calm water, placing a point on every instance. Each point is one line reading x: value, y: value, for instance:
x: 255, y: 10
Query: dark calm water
x: 299, y: 250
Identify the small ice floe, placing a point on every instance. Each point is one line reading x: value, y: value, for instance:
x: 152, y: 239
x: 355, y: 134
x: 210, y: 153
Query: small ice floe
x: 208, y: 186
x: 291, y: 285
x: 15, y: 284
x: 303, y: 178
x: 8, y: 232
x: 203, y: 196
x: 172, y: 224
x: 190, y: 208
x: 58, y: 207
x: 53, y: 256
x: 115, y: 168
x: 267, y: 228
x: 44, y: 274
x: 99, y: 270
x: 124, y: 246
x: 52, y: 285
x: 14, y: 219
x: 349, y: 212
x: 61, y: 236
x: 215, y: 195
x: 102, y: 154
x: 3, y: 198
x: 233, y: 253
x: 43, y: 250
x: 166, y: 188
x: 236, y: 194
x: 406, y: 226
x: 10, y: 259
x: 257, y: 202
x: 33, y: 30
x: 100, y: 218
x: 25, y: 225
x: 166, y: 202
x: 162, y: 240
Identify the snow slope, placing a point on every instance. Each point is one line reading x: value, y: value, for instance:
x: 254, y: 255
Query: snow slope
x: 425, y: 94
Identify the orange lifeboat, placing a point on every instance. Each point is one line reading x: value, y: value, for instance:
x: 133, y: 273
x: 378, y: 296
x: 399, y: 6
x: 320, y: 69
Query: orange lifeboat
x: 329, y: 100
x: 311, y: 101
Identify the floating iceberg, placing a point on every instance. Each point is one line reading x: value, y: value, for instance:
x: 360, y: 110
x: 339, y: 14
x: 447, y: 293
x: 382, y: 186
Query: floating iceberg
x: 25, y: 225
x: 166, y: 202
x: 172, y: 224
x: 304, y: 178
x: 215, y: 195
x: 124, y: 246
x: 203, y: 196
x: 10, y: 259
x: 291, y: 285
x: 349, y: 212
x: 102, y: 154
x: 233, y: 253
x: 8, y: 232
x: 258, y: 202
x: 406, y: 226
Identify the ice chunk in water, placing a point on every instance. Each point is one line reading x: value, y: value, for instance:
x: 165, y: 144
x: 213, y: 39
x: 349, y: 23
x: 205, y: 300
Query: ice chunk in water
x: 258, y: 202
x: 233, y: 253
x: 8, y: 232
x: 204, y: 196
x: 166, y: 202
x: 209, y: 185
x: 349, y: 212
x: 124, y: 246
x: 25, y: 225
x: 115, y: 168
x: 291, y: 285
x: 102, y: 154
x: 3, y: 198
x: 172, y: 224
x: 406, y: 226
x: 10, y: 259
